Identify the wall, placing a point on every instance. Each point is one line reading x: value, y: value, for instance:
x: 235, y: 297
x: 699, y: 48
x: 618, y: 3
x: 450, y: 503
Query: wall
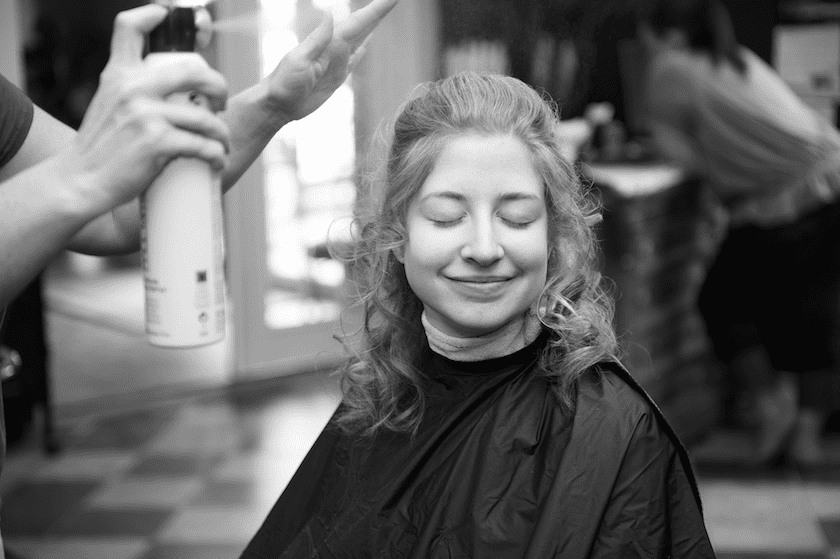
x: 11, y: 63
x: 404, y: 51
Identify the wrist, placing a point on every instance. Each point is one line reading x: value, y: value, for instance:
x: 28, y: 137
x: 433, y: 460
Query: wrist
x: 76, y: 192
x: 271, y: 105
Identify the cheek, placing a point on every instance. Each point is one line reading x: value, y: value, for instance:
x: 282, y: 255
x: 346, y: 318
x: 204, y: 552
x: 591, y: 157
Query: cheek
x: 531, y: 252
x: 422, y: 265
x: 427, y: 249
x: 537, y: 265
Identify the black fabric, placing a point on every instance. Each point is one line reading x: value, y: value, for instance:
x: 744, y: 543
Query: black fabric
x: 780, y: 288
x: 497, y: 470
x: 16, y: 112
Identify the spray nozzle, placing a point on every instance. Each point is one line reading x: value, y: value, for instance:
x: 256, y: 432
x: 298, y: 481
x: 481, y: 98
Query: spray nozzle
x: 184, y: 29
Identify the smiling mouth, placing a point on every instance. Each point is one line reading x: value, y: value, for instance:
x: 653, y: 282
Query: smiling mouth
x: 482, y: 279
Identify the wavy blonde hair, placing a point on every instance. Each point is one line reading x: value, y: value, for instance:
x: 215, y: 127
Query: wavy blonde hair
x: 381, y: 383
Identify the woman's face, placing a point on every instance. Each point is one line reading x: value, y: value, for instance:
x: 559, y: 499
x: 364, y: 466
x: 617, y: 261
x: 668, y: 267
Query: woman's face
x: 477, y: 247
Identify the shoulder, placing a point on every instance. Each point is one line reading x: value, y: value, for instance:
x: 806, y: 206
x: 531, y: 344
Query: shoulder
x: 671, y: 85
x: 12, y: 99
x: 610, y: 400
x: 16, y: 114
x: 604, y: 387
x: 674, y: 68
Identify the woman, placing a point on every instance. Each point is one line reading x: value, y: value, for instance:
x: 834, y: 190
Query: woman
x: 774, y: 289
x: 486, y: 414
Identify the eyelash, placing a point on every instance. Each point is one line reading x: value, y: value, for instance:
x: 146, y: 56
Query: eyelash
x: 453, y: 222
x: 516, y: 224
x: 449, y: 223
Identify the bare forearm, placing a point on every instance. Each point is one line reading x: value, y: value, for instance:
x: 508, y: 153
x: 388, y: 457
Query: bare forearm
x: 115, y: 232
x: 253, y: 122
x: 39, y: 215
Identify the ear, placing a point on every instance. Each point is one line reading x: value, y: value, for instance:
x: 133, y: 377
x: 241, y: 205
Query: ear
x: 399, y: 254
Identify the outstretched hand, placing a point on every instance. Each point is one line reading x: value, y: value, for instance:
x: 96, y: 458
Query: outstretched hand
x: 311, y: 72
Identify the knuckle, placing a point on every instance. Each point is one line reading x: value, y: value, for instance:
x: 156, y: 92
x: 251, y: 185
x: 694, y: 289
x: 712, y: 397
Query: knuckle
x: 221, y: 82
x: 108, y: 74
x: 155, y: 130
x: 137, y: 107
x: 122, y: 87
x: 113, y: 76
x: 196, y: 67
x: 212, y: 149
x: 199, y: 71
x: 224, y: 129
x: 122, y: 20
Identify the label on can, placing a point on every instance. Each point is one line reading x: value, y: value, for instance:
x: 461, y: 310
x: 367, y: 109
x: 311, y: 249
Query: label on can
x: 182, y: 238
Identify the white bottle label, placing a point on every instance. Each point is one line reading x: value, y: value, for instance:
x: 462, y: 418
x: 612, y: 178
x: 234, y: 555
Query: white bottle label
x: 183, y: 252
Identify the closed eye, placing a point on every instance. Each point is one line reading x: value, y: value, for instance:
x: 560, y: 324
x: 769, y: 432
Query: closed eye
x: 446, y: 222
x: 517, y: 219
x: 519, y: 214
x: 516, y: 224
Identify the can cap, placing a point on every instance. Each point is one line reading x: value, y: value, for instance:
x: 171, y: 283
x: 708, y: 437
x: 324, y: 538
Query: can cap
x: 176, y: 33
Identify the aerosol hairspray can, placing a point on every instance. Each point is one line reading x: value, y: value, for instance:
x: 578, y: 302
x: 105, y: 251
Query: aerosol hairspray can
x: 182, y: 227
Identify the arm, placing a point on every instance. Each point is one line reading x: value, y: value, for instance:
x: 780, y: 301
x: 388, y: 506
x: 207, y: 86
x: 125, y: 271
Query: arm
x: 37, y: 216
x: 58, y: 182
x: 93, y: 234
x: 652, y: 512
x: 303, y: 80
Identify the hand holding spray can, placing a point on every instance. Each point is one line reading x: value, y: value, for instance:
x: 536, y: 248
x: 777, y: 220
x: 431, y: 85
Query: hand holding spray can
x: 182, y: 226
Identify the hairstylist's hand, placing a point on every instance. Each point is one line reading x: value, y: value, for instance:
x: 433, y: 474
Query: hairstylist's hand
x: 310, y: 73
x: 130, y: 132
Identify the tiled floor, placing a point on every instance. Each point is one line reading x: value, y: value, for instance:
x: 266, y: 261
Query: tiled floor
x: 192, y: 480
x: 779, y: 512
x: 195, y: 480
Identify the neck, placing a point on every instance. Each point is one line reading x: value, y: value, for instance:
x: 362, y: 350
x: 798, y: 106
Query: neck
x: 508, y: 339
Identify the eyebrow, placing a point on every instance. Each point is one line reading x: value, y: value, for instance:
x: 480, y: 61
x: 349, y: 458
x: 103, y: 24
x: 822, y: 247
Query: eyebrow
x: 458, y: 197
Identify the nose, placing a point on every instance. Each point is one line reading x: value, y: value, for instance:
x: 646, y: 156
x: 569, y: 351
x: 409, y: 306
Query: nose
x: 483, y: 247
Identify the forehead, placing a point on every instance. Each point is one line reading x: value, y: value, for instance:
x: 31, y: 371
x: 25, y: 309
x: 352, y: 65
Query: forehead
x: 476, y: 166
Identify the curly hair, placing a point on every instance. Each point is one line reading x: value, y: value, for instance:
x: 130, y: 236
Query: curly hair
x: 381, y: 383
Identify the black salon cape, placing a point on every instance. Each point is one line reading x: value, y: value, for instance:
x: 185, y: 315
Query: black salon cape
x: 497, y: 470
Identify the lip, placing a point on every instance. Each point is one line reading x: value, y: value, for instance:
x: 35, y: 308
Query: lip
x: 481, y: 288
x: 481, y: 279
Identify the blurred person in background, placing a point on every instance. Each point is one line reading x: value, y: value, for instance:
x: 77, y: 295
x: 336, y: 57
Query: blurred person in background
x: 63, y: 189
x: 484, y: 411
x: 771, y: 300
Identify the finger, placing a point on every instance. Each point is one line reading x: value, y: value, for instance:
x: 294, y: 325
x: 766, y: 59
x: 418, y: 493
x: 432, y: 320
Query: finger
x: 186, y: 117
x: 180, y: 72
x: 359, y: 54
x: 130, y: 30
x: 363, y: 21
x: 180, y: 143
x: 316, y: 42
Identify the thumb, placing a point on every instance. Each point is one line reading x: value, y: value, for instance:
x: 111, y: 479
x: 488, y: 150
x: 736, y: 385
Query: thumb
x: 130, y: 30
